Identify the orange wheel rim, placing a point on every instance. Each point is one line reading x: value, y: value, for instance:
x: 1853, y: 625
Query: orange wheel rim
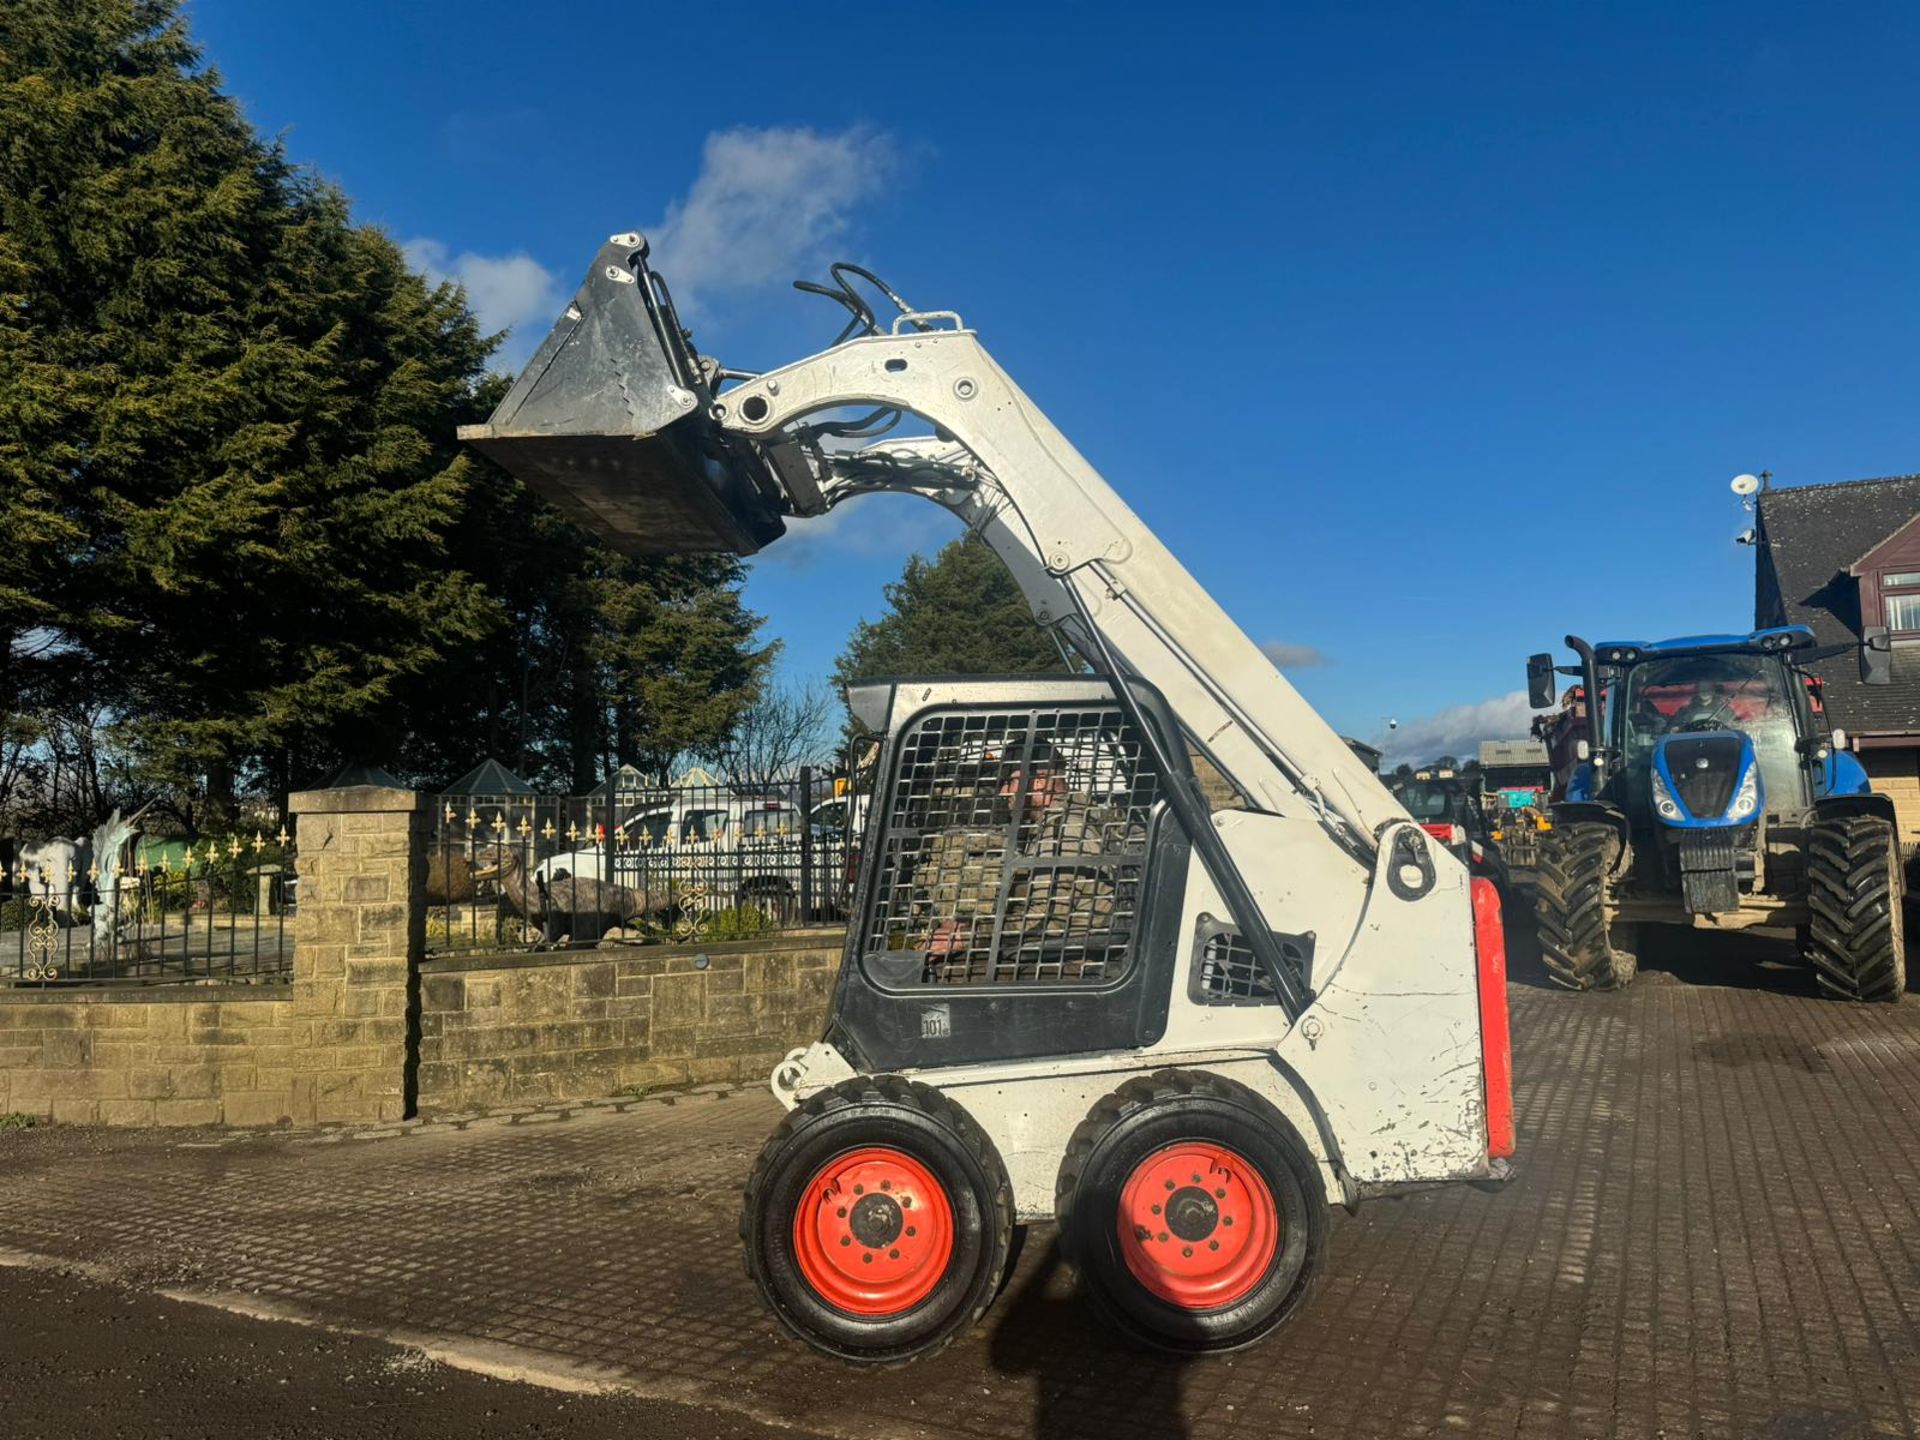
x: 1198, y: 1226
x: 873, y: 1232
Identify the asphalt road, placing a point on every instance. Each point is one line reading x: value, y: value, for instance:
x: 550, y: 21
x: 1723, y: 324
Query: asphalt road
x: 80, y: 1359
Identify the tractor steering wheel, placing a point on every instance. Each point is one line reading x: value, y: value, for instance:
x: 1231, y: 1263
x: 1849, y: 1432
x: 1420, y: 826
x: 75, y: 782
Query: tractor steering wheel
x: 1706, y: 718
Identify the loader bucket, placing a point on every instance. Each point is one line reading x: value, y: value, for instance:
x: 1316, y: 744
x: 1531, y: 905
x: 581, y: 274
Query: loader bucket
x: 610, y: 422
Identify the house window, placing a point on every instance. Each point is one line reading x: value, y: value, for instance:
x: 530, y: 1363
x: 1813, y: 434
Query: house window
x: 1900, y: 600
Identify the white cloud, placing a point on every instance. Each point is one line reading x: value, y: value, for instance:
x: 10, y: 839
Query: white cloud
x: 766, y: 207
x: 1286, y: 655
x: 1457, y: 730
x: 515, y: 293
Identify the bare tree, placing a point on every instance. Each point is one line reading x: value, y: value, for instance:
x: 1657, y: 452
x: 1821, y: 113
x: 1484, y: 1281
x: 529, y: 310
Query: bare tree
x: 787, y: 727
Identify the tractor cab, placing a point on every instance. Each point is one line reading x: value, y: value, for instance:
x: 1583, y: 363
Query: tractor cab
x: 1715, y: 794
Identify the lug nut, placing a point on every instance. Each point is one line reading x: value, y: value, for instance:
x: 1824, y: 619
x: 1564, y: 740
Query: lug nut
x: 912, y: 1231
x: 843, y: 1212
x: 1163, y: 1237
x: 1186, y: 1252
x: 893, y: 1254
x: 1169, y: 1184
x: 1156, y: 1209
x: 867, y: 1258
x: 846, y: 1239
x: 1213, y: 1244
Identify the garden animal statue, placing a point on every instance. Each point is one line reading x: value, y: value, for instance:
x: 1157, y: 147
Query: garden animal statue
x: 449, y: 879
x: 55, y: 871
x: 578, y: 909
x: 115, y: 891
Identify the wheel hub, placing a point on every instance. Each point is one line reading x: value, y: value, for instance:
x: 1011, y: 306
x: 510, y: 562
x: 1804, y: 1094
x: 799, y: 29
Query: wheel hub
x: 876, y: 1221
x: 873, y: 1232
x: 1198, y: 1226
x: 1192, y: 1214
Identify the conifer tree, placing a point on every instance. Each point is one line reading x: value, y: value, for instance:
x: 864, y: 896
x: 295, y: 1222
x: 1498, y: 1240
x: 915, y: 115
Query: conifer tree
x: 230, y: 490
x: 958, y: 614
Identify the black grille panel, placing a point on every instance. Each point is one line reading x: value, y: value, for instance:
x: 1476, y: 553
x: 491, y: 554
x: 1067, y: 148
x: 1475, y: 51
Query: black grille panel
x: 1226, y: 971
x: 1704, y: 769
x: 1015, y: 849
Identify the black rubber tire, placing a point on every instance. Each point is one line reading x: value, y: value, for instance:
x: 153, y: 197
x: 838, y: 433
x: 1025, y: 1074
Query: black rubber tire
x: 1127, y: 1126
x: 1581, y: 945
x: 880, y: 1110
x: 1855, y: 937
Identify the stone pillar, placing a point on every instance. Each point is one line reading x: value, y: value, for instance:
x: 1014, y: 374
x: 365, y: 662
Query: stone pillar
x: 359, y: 935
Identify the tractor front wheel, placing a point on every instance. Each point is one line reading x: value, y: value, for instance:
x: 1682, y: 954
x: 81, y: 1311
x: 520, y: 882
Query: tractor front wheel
x: 878, y: 1221
x: 1855, y: 939
x: 1581, y: 944
x: 1192, y: 1211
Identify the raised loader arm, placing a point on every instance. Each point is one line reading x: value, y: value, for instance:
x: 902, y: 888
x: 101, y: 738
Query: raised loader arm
x: 615, y: 414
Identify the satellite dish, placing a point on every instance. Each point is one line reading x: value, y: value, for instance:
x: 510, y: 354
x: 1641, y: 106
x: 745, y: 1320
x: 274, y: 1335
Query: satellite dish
x: 1745, y: 484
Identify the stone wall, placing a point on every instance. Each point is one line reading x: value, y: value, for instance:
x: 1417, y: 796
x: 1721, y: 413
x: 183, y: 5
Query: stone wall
x: 359, y: 938
x: 335, y: 1045
x: 366, y: 1029
x: 507, y: 1029
x: 162, y: 1055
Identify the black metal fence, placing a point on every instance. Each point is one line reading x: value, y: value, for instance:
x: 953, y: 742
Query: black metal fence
x: 680, y: 862
x: 213, y: 910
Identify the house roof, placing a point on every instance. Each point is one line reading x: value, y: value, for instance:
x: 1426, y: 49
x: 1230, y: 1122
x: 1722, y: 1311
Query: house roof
x: 1813, y: 535
x: 489, y: 777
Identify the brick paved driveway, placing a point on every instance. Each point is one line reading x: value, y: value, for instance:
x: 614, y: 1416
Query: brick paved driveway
x: 1714, y: 1232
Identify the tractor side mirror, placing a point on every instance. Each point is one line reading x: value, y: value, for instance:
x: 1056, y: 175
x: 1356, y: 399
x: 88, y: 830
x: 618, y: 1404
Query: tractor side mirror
x: 1876, y: 655
x: 1540, y: 683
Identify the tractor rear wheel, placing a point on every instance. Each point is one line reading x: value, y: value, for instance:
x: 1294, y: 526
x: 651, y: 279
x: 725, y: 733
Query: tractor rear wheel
x: 1855, y: 939
x: 878, y: 1221
x: 1581, y: 944
x: 1192, y: 1211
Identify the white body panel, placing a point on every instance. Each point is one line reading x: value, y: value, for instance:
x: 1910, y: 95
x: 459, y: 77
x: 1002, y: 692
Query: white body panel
x: 1382, y: 1076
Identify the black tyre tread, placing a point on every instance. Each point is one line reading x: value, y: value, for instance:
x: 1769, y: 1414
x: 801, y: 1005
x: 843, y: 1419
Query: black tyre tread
x: 1854, y: 938
x: 1158, y: 1088
x: 1570, y: 907
x: 909, y: 1094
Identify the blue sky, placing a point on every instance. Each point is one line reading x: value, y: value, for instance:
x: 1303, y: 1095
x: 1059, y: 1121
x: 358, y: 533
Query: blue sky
x: 1422, y: 334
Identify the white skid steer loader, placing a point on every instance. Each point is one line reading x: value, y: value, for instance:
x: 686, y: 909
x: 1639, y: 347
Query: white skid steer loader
x: 1071, y: 990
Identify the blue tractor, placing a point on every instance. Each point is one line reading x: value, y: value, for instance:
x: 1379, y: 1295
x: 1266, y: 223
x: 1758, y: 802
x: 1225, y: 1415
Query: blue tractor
x: 1710, y: 792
